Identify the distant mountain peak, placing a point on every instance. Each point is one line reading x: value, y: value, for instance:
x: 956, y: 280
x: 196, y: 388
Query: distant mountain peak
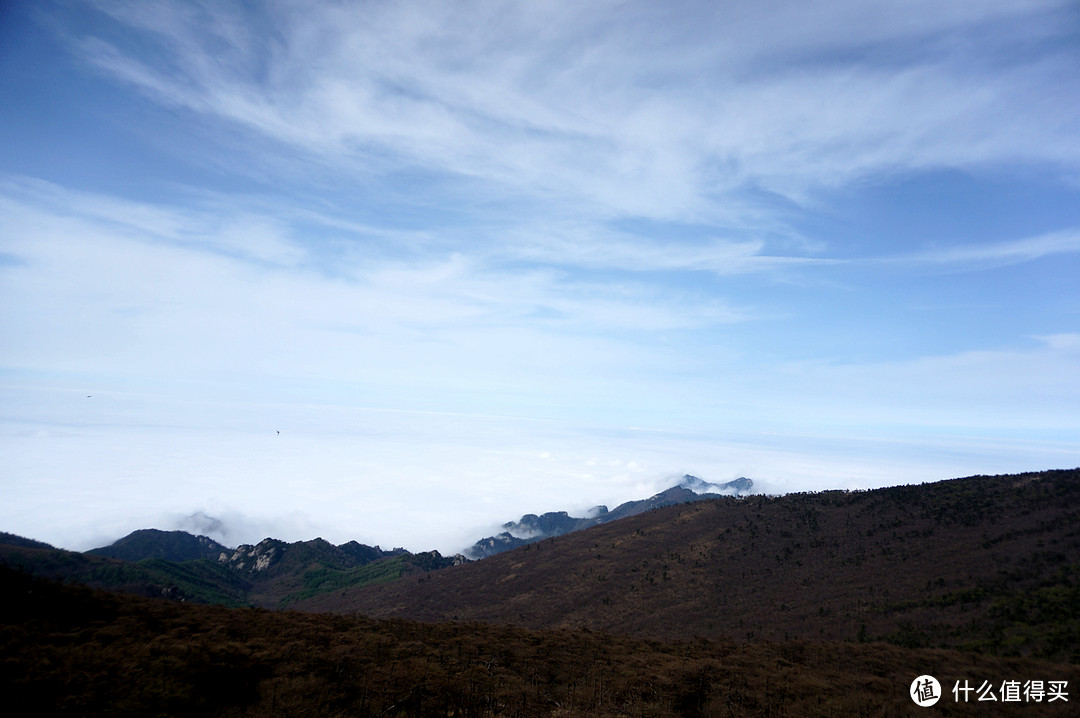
x: 168, y: 545
x: 736, y: 487
x: 531, y: 528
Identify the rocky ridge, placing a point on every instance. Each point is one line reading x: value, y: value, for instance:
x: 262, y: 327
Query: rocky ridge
x: 532, y: 527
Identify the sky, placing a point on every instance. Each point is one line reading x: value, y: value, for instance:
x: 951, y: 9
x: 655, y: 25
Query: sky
x: 399, y: 272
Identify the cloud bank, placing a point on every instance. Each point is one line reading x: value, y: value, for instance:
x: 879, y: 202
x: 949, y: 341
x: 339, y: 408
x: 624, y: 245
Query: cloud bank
x: 474, y: 260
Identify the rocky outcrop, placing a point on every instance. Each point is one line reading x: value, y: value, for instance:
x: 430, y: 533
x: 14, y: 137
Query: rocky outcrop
x: 253, y: 559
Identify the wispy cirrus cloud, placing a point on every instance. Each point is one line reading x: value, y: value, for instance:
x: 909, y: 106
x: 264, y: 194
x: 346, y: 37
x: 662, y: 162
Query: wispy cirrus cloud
x: 626, y: 109
x: 995, y: 254
x: 604, y: 248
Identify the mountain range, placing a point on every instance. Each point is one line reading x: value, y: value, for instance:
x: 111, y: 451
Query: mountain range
x: 277, y: 574
x: 986, y: 562
x: 532, y: 528
x: 989, y: 563
x: 824, y: 603
x: 178, y: 565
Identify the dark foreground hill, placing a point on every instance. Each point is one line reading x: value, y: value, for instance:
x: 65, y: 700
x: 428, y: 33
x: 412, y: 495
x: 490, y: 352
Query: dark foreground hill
x: 20, y: 541
x: 68, y: 650
x: 984, y: 563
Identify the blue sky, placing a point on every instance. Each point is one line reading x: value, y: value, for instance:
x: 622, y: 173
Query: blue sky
x: 477, y: 259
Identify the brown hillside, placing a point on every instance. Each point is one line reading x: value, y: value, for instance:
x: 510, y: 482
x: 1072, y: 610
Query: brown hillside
x: 72, y: 651
x: 986, y: 563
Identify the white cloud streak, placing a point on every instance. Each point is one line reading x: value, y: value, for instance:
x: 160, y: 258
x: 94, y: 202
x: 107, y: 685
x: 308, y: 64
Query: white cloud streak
x: 626, y: 108
x: 996, y: 254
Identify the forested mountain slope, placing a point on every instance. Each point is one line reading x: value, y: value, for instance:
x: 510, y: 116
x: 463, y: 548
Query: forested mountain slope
x: 989, y: 563
x: 68, y: 650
